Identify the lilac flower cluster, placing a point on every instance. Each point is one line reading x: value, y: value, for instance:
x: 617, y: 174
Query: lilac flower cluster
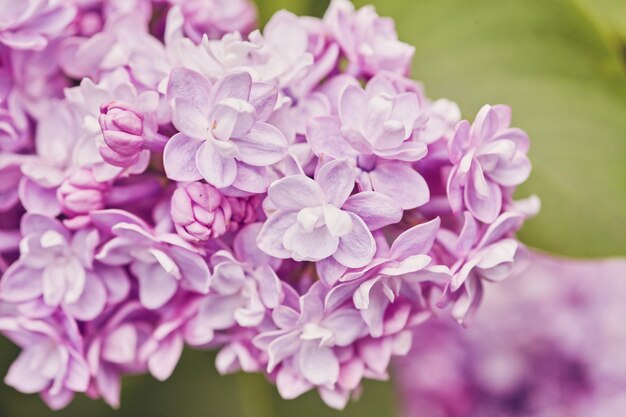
x: 173, y: 177
x: 560, y: 358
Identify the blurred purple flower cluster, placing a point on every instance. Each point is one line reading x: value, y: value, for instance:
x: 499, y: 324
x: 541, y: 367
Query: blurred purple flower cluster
x: 173, y: 177
x: 555, y: 348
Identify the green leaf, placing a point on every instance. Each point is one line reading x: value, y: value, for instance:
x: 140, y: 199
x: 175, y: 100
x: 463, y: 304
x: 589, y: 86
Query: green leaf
x: 559, y: 69
x: 299, y: 7
x: 613, y: 13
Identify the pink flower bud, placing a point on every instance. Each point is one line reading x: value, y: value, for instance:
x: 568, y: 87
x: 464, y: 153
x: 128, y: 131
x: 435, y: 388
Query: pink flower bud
x: 200, y: 211
x: 244, y: 211
x: 123, y: 132
x: 80, y: 193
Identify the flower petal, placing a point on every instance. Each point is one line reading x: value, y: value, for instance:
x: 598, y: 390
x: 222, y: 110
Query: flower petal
x: 325, y: 138
x: 337, y: 179
x: 92, y: 300
x: 194, y: 270
x: 402, y: 183
x: 20, y: 283
x: 417, y: 240
x: 251, y: 179
x: 352, y: 106
x: 376, y: 209
x: 162, y: 362
x: 310, y: 246
x: 357, y: 248
x: 189, y: 119
x: 191, y: 86
x: 156, y: 286
x: 318, y: 364
x: 270, y: 238
x: 485, y: 208
x: 216, y: 169
x: 295, y: 193
x: 263, y: 145
x: 236, y: 86
x: 179, y: 158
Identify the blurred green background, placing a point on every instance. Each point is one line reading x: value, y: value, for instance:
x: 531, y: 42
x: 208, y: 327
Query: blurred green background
x: 559, y: 63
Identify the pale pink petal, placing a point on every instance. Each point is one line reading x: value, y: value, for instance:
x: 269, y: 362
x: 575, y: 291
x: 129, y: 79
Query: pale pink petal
x: 487, y: 208
x: 416, y: 240
x: 37, y: 199
x: 374, y: 311
x: 251, y: 179
x: 324, y: 137
x: 92, y: 300
x: 120, y: 346
x: 295, y: 193
x: 282, y: 347
x: 156, y: 286
x: 263, y: 97
x: 336, y: 178
x: 357, y: 248
x: 194, y: 270
x: 263, y: 145
x: 236, y: 86
x: 189, y: 119
x: 291, y: 384
x: 346, y: 325
x: 20, y: 283
x: 162, y: 362
x: 318, y: 364
x: 24, y: 377
x: 216, y: 169
x: 402, y: 183
x: 310, y: 246
x: 109, y: 384
x: 353, y: 106
x: 191, y: 86
x: 270, y: 238
x: 376, y: 209
x: 179, y: 158
x: 329, y: 270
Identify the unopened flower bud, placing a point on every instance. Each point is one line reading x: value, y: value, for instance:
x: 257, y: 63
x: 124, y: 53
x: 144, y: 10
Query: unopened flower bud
x: 123, y: 133
x: 244, y: 211
x: 200, y: 211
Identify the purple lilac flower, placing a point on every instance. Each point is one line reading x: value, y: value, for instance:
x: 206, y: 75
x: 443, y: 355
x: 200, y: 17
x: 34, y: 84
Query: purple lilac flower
x: 396, y: 273
x: 223, y: 137
x: 481, y: 254
x: 538, y: 358
x: 375, y: 126
x: 30, y: 24
x: 51, y: 362
x: 318, y: 219
x: 56, y: 269
x: 160, y: 263
x: 306, y: 337
x: 15, y: 130
x: 113, y: 346
x: 85, y: 102
x: 125, y: 43
x: 370, y: 42
x: 488, y: 156
x: 216, y: 18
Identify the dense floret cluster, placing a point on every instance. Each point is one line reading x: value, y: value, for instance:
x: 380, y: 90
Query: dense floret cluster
x: 173, y: 177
